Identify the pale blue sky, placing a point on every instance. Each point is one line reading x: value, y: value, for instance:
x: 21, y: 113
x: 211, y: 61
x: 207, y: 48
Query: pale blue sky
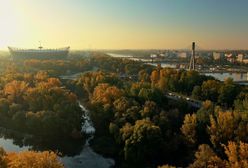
x: 106, y: 24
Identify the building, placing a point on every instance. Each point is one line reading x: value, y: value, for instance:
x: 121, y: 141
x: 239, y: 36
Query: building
x: 242, y: 58
x: 182, y: 55
x: 40, y: 53
x: 216, y: 56
x: 230, y: 57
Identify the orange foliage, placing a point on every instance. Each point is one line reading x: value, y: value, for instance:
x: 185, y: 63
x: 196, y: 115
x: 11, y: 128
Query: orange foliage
x: 106, y: 94
x: 30, y: 159
x: 237, y: 154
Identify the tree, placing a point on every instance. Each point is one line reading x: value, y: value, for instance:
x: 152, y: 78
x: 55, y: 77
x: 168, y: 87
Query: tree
x: 154, y: 77
x: 206, y: 158
x: 227, y: 93
x: 15, y: 90
x: 106, y: 94
x: 3, y: 163
x: 197, y: 93
x: 150, y: 109
x: 166, y: 166
x: 210, y: 89
x: 121, y: 104
x: 30, y: 159
x: 189, y: 128
x: 143, y: 76
x: 205, y: 111
x: 228, y: 126
x: 144, y: 142
x: 237, y: 154
x: 4, y: 107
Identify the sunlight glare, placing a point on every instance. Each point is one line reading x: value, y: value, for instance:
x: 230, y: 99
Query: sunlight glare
x: 9, y: 22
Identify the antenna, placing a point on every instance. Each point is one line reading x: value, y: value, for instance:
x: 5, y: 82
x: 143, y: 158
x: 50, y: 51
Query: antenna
x: 40, y: 47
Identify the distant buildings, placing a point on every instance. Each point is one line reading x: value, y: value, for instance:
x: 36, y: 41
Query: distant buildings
x: 242, y: 58
x: 216, y: 56
x: 230, y: 57
x: 182, y: 55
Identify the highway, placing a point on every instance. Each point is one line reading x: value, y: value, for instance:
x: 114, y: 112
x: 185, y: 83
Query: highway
x: 190, y: 101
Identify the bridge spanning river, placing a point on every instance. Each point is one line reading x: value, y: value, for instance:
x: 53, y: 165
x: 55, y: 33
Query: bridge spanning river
x: 238, y: 76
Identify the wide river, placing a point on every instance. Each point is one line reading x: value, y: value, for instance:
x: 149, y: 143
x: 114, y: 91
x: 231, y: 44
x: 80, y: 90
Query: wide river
x: 219, y: 76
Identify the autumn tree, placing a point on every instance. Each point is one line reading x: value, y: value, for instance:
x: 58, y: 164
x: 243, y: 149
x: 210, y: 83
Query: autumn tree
x: 206, y: 158
x: 189, y: 128
x: 237, y: 154
x: 15, y: 89
x: 228, y: 126
x: 106, y: 94
x: 30, y: 159
x: 154, y: 77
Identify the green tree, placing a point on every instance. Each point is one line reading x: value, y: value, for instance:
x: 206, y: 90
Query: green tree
x: 144, y: 143
x: 210, y: 89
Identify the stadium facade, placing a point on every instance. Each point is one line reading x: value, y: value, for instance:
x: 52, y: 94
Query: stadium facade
x: 60, y: 53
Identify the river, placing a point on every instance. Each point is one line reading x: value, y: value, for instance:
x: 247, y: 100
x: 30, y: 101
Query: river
x: 234, y: 76
x: 87, y: 158
x: 241, y: 77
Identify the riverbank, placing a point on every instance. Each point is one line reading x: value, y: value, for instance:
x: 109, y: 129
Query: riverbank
x: 85, y: 157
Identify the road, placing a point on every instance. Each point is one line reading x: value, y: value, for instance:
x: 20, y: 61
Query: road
x: 177, y: 97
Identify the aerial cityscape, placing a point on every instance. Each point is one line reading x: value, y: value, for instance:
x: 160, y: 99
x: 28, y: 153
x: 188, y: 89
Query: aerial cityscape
x: 125, y: 84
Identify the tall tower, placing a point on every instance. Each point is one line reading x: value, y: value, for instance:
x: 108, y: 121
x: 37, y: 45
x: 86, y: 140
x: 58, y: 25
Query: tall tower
x: 192, y: 59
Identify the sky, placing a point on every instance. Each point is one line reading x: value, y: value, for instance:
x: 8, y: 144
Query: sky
x: 124, y: 24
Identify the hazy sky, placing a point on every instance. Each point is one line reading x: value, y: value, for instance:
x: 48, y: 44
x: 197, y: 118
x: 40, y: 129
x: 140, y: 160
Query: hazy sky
x: 114, y: 24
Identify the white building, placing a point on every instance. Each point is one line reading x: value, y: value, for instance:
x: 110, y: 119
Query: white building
x: 241, y: 58
x: 216, y: 56
x: 182, y: 55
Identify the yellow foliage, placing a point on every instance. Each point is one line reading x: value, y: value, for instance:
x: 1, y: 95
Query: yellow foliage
x: 166, y: 166
x: 228, y: 126
x: 237, y: 154
x: 206, y: 158
x: 106, y: 94
x: 189, y: 127
x: 29, y: 159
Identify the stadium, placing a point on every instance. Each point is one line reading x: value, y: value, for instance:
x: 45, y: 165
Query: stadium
x: 60, y: 53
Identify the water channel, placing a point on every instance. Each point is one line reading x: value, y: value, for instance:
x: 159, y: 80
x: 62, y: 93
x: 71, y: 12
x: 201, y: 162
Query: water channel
x: 87, y: 158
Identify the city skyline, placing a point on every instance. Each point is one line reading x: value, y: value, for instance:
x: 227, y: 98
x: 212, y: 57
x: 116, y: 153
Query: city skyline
x: 123, y: 24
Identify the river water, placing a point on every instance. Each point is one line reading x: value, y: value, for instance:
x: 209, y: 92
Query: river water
x: 242, y: 77
x: 87, y: 158
x: 234, y: 76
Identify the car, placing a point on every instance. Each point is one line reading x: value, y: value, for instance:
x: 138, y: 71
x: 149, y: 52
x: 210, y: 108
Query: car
x: 187, y: 99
